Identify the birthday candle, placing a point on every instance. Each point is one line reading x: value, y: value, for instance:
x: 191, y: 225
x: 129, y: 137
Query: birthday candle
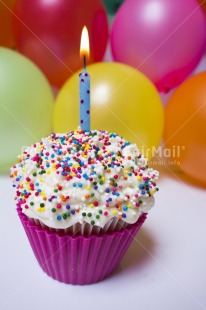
x: 84, y: 83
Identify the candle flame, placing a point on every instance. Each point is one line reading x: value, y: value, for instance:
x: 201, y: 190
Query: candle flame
x: 84, y: 45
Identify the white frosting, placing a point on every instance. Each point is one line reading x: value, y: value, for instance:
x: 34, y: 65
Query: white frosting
x: 83, y: 177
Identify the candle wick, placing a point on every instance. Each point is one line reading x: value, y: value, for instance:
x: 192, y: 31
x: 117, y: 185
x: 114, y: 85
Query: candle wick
x: 84, y: 59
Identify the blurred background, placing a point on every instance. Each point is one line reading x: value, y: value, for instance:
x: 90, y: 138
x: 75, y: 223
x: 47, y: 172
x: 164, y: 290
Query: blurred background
x: 148, y: 74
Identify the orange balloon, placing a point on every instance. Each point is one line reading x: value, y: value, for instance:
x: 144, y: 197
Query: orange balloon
x: 202, y: 4
x: 6, y: 33
x: 185, y: 126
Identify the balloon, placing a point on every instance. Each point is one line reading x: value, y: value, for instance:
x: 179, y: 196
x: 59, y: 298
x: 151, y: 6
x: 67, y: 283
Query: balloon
x: 185, y: 126
x: 112, y: 6
x: 164, y: 39
x: 49, y: 33
x: 123, y: 100
x: 26, y: 106
x: 6, y: 32
x: 203, y: 4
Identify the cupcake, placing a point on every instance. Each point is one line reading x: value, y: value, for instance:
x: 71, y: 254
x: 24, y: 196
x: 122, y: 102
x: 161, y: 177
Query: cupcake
x: 82, y: 197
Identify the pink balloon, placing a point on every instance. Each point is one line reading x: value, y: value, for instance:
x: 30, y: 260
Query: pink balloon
x: 49, y: 31
x: 165, y: 39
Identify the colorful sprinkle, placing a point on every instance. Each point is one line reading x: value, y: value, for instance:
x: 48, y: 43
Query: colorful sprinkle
x: 93, y: 175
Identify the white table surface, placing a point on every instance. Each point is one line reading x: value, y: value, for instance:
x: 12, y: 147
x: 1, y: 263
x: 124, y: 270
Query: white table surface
x: 165, y: 267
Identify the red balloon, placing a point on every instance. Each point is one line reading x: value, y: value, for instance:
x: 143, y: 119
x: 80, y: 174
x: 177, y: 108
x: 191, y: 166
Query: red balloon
x: 49, y: 31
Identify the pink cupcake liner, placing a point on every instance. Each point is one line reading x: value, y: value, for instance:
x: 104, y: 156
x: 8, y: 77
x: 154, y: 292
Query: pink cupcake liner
x: 78, y: 259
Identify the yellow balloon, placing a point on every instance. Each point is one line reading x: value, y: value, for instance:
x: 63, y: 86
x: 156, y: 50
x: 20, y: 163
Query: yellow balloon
x: 123, y: 101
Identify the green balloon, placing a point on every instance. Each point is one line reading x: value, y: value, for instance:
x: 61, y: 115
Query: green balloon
x: 112, y: 6
x: 26, y: 106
